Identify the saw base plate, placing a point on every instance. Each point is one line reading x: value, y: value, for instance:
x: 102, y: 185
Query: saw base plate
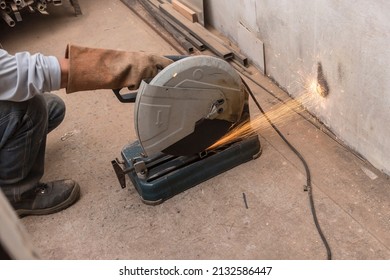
x: 165, y: 175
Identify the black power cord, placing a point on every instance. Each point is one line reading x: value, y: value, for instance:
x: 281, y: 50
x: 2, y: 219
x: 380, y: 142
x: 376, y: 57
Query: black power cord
x: 308, y: 186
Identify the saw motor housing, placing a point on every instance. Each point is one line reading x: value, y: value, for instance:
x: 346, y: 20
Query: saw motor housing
x: 188, y: 106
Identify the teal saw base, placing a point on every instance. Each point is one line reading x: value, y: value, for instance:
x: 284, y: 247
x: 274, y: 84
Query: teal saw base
x: 170, y: 175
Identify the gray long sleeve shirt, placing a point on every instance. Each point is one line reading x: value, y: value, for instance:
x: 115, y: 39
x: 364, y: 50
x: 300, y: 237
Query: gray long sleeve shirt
x: 23, y: 75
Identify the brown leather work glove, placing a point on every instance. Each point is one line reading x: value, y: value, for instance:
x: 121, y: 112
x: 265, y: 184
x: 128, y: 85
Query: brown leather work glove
x: 91, y: 68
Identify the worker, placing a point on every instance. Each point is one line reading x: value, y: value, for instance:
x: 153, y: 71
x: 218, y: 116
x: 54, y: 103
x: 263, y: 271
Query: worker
x: 28, y: 112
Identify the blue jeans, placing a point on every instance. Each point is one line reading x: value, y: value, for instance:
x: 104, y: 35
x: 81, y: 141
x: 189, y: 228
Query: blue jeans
x: 23, y: 130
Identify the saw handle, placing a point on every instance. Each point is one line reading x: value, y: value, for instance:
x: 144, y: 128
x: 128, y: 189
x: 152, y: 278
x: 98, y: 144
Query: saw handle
x: 175, y: 57
x: 131, y: 96
x: 126, y: 97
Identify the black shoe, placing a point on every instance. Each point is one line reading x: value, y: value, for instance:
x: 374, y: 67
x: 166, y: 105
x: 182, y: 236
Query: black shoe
x: 47, y: 198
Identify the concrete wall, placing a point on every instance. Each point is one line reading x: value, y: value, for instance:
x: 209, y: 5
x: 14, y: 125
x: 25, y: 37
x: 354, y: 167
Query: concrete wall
x: 350, y: 40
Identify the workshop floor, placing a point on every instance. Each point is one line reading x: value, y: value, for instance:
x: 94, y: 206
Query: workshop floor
x: 209, y: 221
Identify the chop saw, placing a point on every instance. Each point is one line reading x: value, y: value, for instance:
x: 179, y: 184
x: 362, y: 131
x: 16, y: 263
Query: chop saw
x: 179, y: 114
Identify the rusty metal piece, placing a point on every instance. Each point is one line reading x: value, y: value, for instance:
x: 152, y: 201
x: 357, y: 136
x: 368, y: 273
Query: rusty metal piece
x: 245, y: 201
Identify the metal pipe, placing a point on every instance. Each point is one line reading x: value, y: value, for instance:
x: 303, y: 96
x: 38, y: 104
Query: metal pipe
x: 7, y: 19
x: 41, y: 6
x: 15, y: 10
x: 57, y: 2
x: 3, y: 5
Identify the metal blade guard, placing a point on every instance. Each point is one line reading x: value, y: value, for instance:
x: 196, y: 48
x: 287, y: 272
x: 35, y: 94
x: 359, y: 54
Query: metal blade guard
x: 185, y: 109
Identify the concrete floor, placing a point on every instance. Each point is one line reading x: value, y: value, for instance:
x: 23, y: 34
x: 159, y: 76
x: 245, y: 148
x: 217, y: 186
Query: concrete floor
x: 209, y: 221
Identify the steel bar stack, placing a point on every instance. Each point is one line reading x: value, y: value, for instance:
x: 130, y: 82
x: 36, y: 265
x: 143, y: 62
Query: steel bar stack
x: 182, y: 23
x: 10, y: 10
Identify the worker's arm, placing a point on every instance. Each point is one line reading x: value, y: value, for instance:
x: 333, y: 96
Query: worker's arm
x: 23, y: 75
x: 64, y: 65
x: 86, y: 68
x: 94, y: 68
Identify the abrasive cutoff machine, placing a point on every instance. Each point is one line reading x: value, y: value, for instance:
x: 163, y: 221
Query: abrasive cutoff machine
x: 178, y: 117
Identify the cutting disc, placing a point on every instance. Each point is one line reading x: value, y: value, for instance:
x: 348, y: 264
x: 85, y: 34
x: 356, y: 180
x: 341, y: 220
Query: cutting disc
x: 174, y: 112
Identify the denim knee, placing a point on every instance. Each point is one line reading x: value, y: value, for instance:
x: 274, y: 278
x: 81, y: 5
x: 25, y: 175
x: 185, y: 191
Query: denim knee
x: 56, y: 110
